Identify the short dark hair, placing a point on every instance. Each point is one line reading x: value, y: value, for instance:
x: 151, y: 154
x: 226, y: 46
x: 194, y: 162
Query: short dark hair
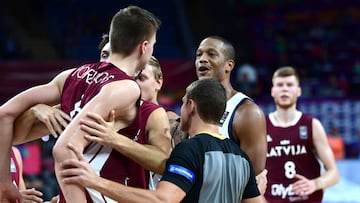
x: 129, y: 27
x: 210, y: 98
x: 229, y: 50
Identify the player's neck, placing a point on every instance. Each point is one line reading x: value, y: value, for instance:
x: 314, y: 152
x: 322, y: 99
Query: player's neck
x: 154, y: 101
x: 230, y: 91
x: 202, y: 127
x: 126, y: 64
x: 286, y: 117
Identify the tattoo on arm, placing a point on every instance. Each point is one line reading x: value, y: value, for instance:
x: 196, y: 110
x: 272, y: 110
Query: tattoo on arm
x: 177, y: 135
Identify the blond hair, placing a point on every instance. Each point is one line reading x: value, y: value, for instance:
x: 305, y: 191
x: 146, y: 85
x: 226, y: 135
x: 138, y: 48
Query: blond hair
x: 285, y: 72
x: 154, y: 63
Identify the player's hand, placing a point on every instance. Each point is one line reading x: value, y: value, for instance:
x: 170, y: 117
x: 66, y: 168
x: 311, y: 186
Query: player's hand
x: 54, y: 199
x: 100, y: 131
x: 303, y: 186
x: 54, y: 119
x: 78, y: 171
x: 261, y: 181
x: 31, y: 196
x: 9, y: 193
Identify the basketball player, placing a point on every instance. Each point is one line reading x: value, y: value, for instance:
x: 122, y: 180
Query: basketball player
x: 153, y: 131
x: 104, y: 47
x: 150, y: 81
x: 208, y: 167
x: 296, y: 142
x: 243, y: 120
x: 88, y: 88
x: 153, y: 121
x: 16, y: 164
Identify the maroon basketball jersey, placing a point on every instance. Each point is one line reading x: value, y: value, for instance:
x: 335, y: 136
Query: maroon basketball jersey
x: 139, y: 176
x: 14, y: 169
x: 85, y: 82
x: 290, y: 152
x: 79, y: 88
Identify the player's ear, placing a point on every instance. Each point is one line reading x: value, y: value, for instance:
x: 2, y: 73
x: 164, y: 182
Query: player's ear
x: 160, y: 82
x: 229, y: 65
x: 191, y: 106
x: 143, y: 46
x: 299, y: 92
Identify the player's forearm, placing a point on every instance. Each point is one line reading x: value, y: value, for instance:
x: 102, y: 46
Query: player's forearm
x: 328, y: 179
x: 260, y: 153
x: 121, y: 193
x: 73, y: 193
x: 28, y: 128
x: 5, y: 161
x: 255, y: 146
x: 150, y: 157
x: 257, y: 155
x: 74, y: 136
x: 8, y: 113
x: 6, y: 123
x: 260, y: 160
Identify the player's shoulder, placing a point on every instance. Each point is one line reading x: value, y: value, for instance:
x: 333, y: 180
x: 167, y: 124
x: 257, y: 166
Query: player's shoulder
x: 152, y: 110
x: 125, y: 84
x: 249, y: 108
x: 158, y: 112
x: 243, y: 101
x: 307, y: 118
x: 63, y: 75
x: 148, y: 104
x: 316, y: 123
x: 119, y: 88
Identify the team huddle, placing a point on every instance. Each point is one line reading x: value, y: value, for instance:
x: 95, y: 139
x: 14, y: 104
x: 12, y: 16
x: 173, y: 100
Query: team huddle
x: 116, y: 143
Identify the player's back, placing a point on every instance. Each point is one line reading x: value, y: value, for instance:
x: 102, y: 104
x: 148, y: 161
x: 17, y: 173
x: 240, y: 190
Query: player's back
x: 79, y: 88
x: 85, y: 82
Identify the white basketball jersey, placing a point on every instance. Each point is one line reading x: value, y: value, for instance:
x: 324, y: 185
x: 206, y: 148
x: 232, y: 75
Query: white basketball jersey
x: 225, y: 127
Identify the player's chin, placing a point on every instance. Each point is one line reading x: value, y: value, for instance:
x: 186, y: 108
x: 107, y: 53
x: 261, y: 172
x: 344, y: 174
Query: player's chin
x: 285, y: 105
x: 203, y: 76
